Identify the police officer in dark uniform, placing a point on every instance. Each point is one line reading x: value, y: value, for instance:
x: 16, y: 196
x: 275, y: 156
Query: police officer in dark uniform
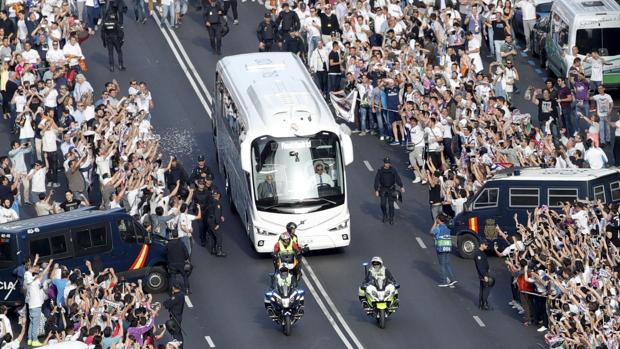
x: 201, y: 198
x: 266, y: 33
x: 214, y: 222
x: 385, y: 186
x: 484, y: 275
x: 177, y: 255
x: 199, y: 170
x: 113, y: 37
x: 213, y: 12
x: 287, y: 21
x: 175, y: 305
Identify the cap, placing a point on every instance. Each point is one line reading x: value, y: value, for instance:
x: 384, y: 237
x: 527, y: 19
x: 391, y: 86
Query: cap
x: 386, y: 160
x: 285, y: 4
x: 201, y: 158
x: 267, y: 14
x: 209, y: 177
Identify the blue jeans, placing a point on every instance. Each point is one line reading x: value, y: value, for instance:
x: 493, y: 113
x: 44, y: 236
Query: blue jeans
x: 169, y: 17
x: 333, y: 82
x: 491, y: 44
x: 384, y: 124
x: 187, y: 241
x: 605, y: 133
x: 35, y: 321
x: 312, y: 43
x: 444, y: 265
x: 364, y: 118
x: 92, y: 15
x: 584, y: 109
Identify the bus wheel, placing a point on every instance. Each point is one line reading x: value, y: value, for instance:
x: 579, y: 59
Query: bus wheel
x: 467, y: 245
x: 156, y: 280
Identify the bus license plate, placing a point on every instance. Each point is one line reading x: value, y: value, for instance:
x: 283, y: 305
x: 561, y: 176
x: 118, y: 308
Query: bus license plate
x: 305, y: 242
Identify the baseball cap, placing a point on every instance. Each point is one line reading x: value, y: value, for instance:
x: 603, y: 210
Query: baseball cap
x: 201, y: 158
x: 209, y: 177
x: 386, y: 160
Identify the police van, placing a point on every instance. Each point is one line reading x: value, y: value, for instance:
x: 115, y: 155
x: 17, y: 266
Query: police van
x: 589, y: 25
x: 109, y: 239
x: 517, y: 191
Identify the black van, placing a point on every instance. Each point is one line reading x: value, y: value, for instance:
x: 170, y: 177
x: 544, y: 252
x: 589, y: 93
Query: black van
x: 107, y: 238
x: 521, y: 190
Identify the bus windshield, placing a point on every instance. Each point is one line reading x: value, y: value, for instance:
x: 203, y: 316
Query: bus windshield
x: 603, y: 39
x: 297, y: 173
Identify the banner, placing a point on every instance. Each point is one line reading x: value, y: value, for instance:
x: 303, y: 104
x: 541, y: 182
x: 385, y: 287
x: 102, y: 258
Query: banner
x: 344, y: 106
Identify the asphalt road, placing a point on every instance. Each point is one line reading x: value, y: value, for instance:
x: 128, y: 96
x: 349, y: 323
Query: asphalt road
x: 227, y: 294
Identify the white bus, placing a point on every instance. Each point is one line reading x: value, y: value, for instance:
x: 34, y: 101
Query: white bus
x: 281, y: 152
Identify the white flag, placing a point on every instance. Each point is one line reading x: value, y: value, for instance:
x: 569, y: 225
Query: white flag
x: 344, y: 106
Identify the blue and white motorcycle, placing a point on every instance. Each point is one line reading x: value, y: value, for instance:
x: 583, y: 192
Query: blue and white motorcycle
x: 285, y: 301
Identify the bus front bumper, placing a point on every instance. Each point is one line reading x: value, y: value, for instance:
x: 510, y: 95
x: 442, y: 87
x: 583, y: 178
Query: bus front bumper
x: 314, y: 241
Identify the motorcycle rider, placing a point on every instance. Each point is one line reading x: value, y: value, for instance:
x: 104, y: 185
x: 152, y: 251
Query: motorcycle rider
x: 291, y: 227
x: 377, y: 270
x: 286, y: 246
x: 283, y: 278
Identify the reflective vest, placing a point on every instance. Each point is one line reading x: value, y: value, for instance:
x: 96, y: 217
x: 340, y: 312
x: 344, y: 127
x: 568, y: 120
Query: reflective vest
x: 284, y: 281
x: 285, y: 249
x: 378, y: 274
x: 443, y: 243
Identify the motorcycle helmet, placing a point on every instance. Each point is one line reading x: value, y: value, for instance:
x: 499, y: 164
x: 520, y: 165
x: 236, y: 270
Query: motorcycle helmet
x: 376, y: 260
x: 290, y: 227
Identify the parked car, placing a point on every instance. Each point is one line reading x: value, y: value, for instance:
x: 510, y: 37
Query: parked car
x: 514, y: 192
x: 543, y: 8
x: 537, y: 40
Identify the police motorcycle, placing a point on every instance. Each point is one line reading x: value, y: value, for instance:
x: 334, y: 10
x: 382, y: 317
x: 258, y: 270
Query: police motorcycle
x: 285, y: 301
x: 378, y: 294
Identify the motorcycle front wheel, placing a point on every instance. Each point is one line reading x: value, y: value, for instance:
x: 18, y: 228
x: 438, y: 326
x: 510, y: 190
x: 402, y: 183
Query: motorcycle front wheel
x: 381, y: 318
x: 286, y: 327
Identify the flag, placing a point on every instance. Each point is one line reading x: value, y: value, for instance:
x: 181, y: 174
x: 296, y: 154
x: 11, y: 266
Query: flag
x: 344, y: 106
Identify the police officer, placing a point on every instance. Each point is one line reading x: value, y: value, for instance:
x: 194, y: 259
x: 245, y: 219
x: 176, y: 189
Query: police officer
x: 199, y: 170
x: 385, y: 186
x: 177, y: 255
x: 213, y: 13
x: 214, y: 221
x: 486, y: 280
x: 287, y: 21
x: 201, y: 198
x: 266, y: 33
x: 175, y: 305
x: 113, y: 37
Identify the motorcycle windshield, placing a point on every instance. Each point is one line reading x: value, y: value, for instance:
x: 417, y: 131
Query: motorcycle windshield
x: 287, y: 258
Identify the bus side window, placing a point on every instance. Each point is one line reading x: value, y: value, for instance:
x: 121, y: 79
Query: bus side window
x: 127, y: 230
x: 40, y: 247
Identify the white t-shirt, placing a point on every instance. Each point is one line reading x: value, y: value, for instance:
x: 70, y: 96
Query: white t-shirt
x: 581, y: 220
x: 597, y: 69
x: 596, y: 158
x: 54, y: 55
x: 49, y: 140
x: 31, y: 56
x: 310, y: 28
x: 8, y: 215
x: 185, y: 224
x: 26, y: 131
x: 604, y: 103
x: 51, y: 98
x: 433, y: 135
x: 37, y: 183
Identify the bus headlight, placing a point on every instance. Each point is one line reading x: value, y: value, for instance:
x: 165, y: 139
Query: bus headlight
x: 264, y: 232
x: 343, y: 225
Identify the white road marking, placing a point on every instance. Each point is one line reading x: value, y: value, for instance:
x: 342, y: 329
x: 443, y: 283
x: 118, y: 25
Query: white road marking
x: 479, y: 321
x: 420, y: 242
x: 331, y: 303
x: 396, y: 206
x: 210, y: 341
x: 329, y: 317
x: 368, y: 165
x: 191, y: 66
x: 184, y: 67
x: 188, y: 302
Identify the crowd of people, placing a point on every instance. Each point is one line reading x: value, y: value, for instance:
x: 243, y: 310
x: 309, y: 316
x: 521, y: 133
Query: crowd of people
x: 564, y: 267
x: 420, y: 82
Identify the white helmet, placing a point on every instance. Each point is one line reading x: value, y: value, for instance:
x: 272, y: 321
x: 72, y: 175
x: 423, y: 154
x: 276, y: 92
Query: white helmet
x: 376, y: 259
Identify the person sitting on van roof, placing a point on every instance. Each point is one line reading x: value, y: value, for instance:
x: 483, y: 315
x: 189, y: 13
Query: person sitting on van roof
x: 7, y: 213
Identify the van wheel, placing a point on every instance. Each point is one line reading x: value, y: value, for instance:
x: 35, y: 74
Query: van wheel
x: 467, y: 245
x: 156, y: 280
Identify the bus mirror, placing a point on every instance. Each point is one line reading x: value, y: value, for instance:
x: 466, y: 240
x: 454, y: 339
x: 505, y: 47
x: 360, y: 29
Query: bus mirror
x: 347, y: 145
x: 246, y: 161
x: 347, y: 148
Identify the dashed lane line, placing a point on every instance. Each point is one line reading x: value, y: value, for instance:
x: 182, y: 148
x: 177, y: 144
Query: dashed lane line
x: 479, y: 321
x: 420, y: 242
x: 210, y: 341
x: 368, y: 165
x: 188, y: 302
